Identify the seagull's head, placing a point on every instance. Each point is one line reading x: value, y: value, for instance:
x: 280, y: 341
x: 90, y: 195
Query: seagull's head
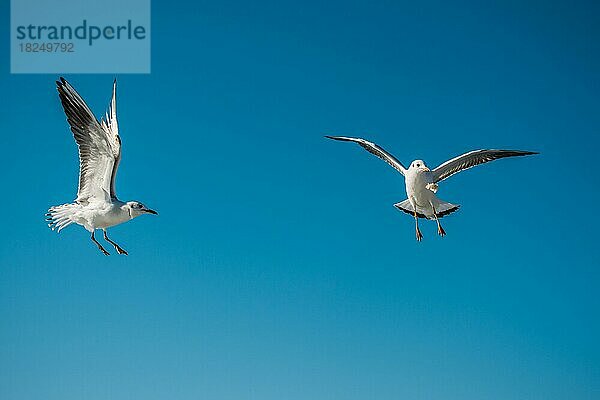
x: 135, y: 209
x: 419, y: 165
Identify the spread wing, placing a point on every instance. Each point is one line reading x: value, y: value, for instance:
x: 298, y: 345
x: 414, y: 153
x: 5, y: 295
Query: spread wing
x: 99, y: 144
x: 110, y: 125
x: 374, y: 149
x: 471, y: 159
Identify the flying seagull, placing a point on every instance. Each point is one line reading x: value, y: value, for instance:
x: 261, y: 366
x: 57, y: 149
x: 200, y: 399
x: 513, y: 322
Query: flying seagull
x: 99, y: 143
x: 422, y: 182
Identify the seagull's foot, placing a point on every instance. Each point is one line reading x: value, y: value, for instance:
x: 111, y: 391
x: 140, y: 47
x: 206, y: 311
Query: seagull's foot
x: 419, y: 235
x: 441, y: 231
x: 432, y: 186
x: 106, y: 253
x: 120, y: 250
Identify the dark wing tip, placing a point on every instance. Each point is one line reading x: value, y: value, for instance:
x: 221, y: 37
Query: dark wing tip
x: 521, y: 152
x: 63, y: 85
x: 343, y: 138
x: 526, y: 152
x: 78, y: 113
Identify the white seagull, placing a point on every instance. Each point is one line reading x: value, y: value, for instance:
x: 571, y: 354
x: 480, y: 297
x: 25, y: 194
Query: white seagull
x: 422, y: 182
x: 97, y: 205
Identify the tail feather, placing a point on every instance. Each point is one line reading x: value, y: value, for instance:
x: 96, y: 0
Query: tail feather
x: 442, y: 209
x: 59, y: 217
x: 407, y: 207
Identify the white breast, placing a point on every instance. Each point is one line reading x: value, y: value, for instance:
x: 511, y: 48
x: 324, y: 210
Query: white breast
x: 107, y: 215
x: 416, y: 186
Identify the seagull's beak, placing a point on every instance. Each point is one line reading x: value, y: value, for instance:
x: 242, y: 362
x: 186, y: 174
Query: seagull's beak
x: 149, y: 211
x: 425, y: 169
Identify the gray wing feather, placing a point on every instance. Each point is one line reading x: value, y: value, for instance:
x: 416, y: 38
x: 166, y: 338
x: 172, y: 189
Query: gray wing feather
x: 111, y: 126
x: 98, y: 148
x: 471, y: 159
x: 375, y: 150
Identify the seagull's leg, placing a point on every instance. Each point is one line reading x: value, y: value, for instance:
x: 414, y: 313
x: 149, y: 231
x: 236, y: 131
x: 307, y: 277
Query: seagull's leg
x: 117, y: 247
x: 106, y: 253
x: 441, y: 230
x: 418, y: 231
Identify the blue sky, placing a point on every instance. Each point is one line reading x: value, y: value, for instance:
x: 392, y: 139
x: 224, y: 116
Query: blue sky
x: 278, y: 267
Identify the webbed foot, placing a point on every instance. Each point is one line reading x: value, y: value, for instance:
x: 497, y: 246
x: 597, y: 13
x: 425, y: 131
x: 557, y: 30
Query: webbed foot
x: 419, y: 235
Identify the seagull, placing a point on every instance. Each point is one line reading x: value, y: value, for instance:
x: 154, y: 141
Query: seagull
x: 99, y: 143
x: 422, y: 182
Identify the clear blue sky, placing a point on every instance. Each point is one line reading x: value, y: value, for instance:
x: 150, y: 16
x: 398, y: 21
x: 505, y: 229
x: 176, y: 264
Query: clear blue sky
x: 278, y: 267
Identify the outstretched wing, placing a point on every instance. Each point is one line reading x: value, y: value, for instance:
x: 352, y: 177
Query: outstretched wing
x: 374, y: 149
x: 99, y: 145
x: 110, y: 125
x: 471, y: 159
